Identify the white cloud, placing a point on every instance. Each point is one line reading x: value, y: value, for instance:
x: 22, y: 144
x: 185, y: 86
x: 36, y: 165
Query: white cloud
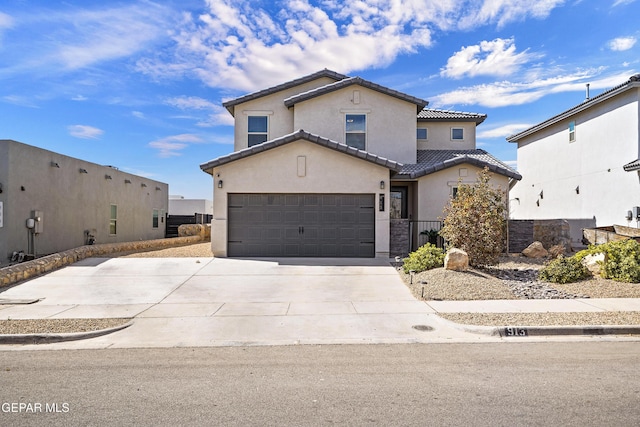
x: 138, y: 114
x: 622, y: 43
x: 503, y: 131
x: 237, y: 45
x: 218, y: 115
x: 503, y: 94
x: 491, y: 58
x: 79, y: 98
x: 622, y: 2
x: 84, y: 132
x: 171, y: 146
x: 502, y: 12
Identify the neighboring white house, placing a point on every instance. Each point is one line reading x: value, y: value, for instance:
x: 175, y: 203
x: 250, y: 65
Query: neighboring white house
x: 324, y: 165
x: 50, y: 202
x: 582, y: 164
x: 178, y: 205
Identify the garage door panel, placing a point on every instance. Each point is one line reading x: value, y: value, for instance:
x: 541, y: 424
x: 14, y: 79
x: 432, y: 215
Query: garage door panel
x: 293, y: 225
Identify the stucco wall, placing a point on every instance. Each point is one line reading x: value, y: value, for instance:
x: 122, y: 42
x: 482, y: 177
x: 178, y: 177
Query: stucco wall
x: 190, y: 206
x: 439, y: 136
x: 72, y: 202
x: 390, y: 123
x: 434, y: 190
x: 276, y: 171
x: 583, y: 179
x: 280, y: 118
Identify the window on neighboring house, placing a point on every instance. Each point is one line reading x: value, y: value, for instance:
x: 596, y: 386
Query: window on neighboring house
x: 155, y: 218
x: 572, y: 131
x: 422, y: 133
x: 113, y: 220
x: 457, y: 134
x: 454, y: 192
x: 356, y: 130
x: 257, y: 130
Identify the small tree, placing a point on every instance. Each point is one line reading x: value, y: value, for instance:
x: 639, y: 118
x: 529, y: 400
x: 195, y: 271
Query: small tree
x: 475, y: 221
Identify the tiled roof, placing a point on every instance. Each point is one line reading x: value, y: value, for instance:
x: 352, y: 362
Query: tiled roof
x: 633, y: 166
x: 301, y: 134
x: 430, y: 161
x: 432, y: 115
x: 634, y: 81
x: 289, y: 102
x: 317, y: 75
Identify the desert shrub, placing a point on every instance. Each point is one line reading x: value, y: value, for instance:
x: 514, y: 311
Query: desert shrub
x: 475, y: 221
x: 623, y: 260
x: 564, y: 270
x: 557, y: 250
x: 426, y: 257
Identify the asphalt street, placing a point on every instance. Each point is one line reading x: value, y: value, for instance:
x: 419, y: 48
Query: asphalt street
x: 496, y: 384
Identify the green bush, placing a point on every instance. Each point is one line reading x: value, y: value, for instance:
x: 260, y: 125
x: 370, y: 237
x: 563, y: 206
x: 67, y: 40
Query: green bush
x: 622, y: 262
x: 426, y: 257
x: 564, y: 270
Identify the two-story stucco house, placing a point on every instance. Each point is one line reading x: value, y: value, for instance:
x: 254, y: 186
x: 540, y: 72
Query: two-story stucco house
x: 582, y: 164
x: 322, y: 165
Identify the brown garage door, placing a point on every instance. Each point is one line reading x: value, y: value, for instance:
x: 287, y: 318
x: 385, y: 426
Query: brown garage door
x: 301, y: 225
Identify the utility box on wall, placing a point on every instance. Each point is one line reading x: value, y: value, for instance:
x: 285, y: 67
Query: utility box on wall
x: 37, y: 217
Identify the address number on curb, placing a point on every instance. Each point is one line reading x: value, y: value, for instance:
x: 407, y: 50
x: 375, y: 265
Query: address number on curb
x: 516, y: 332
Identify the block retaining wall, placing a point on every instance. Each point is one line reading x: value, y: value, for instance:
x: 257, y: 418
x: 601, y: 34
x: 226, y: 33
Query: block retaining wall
x: 29, y: 269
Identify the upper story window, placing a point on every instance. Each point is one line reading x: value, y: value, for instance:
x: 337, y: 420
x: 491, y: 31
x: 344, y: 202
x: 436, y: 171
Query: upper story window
x: 572, y: 131
x: 457, y: 134
x: 258, y: 130
x: 356, y: 130
x: 422, y: 133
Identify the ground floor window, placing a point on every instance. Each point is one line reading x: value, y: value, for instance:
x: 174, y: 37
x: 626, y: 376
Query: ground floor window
x: 155, y: 218
x: 113, y: 220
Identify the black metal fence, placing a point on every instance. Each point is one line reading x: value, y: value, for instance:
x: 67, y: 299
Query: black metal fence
x: 422, y: 232
x: 175, y: 221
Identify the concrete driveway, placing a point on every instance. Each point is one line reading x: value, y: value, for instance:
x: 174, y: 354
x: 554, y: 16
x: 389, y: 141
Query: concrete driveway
x: 223, y: 301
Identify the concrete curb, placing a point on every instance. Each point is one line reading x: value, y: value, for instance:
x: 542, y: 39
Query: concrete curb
x: 510, y: 331
x: 54, y: 338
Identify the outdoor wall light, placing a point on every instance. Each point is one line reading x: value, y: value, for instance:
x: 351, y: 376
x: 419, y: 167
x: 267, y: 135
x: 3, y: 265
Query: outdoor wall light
x: 83, y: 170
x: 220, y: 184
x: 578, y: 189
x: 537, y: 202
x: 143, y: 185
x: 127, y: 181
x: 541, y: 194
x: 382, y: 185
x: 107, y: 177
x: 158, y: 189
x: 54, y: 165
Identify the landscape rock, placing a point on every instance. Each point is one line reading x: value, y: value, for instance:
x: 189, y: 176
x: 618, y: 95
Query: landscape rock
x: 594, y: 262
x: 535, y: 250
x: 456, y: 259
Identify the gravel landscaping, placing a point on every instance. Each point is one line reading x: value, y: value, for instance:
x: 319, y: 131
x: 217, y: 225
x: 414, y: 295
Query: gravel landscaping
x: 57, y: 326
x: 516, y: 277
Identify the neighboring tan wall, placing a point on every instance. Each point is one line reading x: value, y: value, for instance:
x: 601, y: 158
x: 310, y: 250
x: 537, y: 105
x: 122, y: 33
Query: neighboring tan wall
x: 606, y: 139
x: 434, y: 190
x: 391, y: 122
x: 280, y: 118
x: 439, y: 136
x: 72, y: 202
x: 276, y: 171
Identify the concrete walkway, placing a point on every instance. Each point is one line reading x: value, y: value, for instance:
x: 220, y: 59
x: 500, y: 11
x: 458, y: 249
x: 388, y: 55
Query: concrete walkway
x: 220, y: 302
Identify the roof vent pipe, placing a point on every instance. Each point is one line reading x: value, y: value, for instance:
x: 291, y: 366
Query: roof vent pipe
x: 587, y: 92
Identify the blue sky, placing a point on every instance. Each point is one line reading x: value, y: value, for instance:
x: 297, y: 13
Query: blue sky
x: 139, y: 84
